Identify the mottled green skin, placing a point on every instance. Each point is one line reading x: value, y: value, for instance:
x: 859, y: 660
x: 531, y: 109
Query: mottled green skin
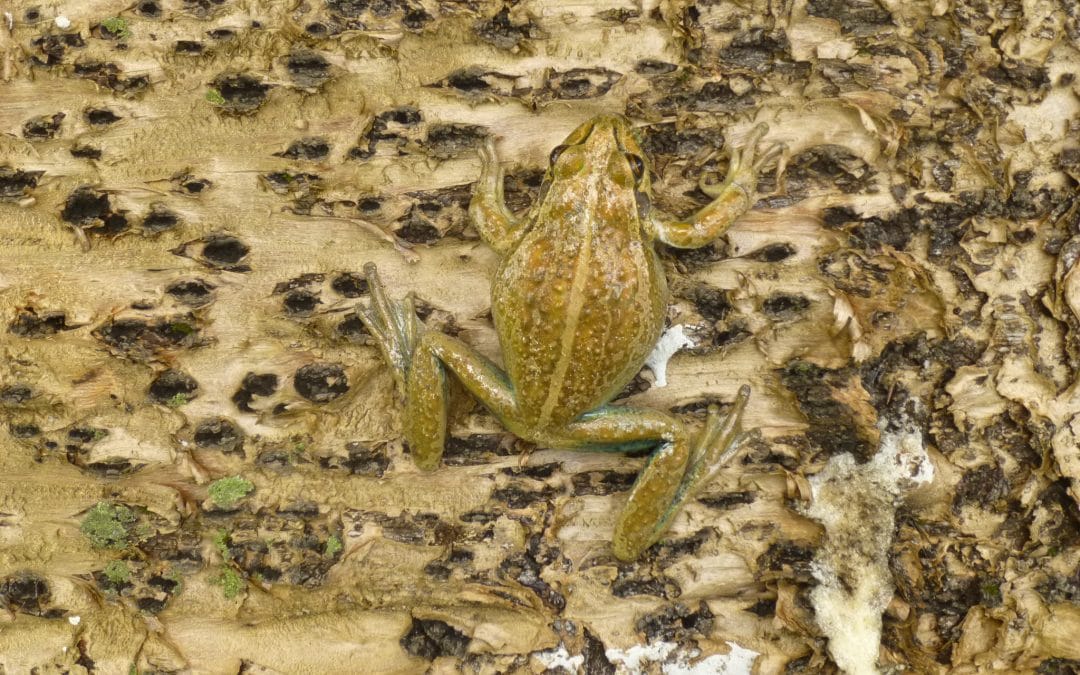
x: 578, y: 303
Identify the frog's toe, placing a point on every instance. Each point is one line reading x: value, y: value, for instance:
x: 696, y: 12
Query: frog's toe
x: 393, y: 324
x: 771, y: 153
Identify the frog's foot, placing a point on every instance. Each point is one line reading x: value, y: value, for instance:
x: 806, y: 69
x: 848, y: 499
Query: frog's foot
x: 393, y: 325
x: 745, y: 165
x: 719, y: 441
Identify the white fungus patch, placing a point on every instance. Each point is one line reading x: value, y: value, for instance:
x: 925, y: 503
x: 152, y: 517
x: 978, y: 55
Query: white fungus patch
x: 673, y: 339
x: 74, y: 620
x: 857, y: 505
x: 675, y: 661
x: 62, y: 22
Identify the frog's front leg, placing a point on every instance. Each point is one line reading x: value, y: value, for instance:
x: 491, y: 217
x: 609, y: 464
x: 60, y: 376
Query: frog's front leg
x: 677, y: 467
x: 731, y: 198
x: 487, y: 209
x: 420, y: 360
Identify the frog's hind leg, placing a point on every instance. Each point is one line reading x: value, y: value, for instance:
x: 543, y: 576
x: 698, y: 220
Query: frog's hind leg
x: 676, y: 469
x: 649, y: 507
x: 420, y: 361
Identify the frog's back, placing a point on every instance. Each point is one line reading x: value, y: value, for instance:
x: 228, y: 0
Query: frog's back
x: 578, y: 308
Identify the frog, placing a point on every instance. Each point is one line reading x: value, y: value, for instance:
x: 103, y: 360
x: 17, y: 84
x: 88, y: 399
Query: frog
x: 578, y: 300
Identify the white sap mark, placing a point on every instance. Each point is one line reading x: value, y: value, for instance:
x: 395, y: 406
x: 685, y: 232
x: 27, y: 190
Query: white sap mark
x: 74, y: 620
x: 10, y: 20
x: 857, y: 505
x: 739, y: 661
x: 62, y: 22
x: 560, y: 658
x: 673, y: 339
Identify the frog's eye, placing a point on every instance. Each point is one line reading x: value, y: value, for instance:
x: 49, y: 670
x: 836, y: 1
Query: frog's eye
x: 555, y: 153
x: 637, y: 165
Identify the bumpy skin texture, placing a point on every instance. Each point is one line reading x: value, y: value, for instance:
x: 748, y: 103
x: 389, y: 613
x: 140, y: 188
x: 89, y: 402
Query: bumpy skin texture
x: 578, y: 303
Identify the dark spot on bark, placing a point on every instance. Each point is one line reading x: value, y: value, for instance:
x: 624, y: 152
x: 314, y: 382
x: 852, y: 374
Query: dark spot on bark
x: 28, y: 430
x: 224, y: 250
x: 243, y: 93
x: 834, y: 427
x: 87, y: 434
x: 416, y: 19
x: 43, y: 127
x: 352, y: 328
x: 159, y: 219
x: 85, y: 206
x: 151, y: 605
x: 53, y: 47
x: 221, y: 433
x: 307, y: 148
x: 581, y: 83
x: 307, y: 68
x: 828, y: 167
x: 1058, y: 666
x: 300, y: 303
x: 149, y: 8
x: 26, y: 592
x: 191, y: 47
x: 321, y: 382
x: 785, y: 306
x: 430, y: 639
x: 773, y: 253
x: 100, y: 116
x: 650, y: 67
x: 711, y: 303
x: 448, y: 140
x: 221, y: 34
x: 202, y: 8
x: 29, y: 324
x: 15, y: 394
x: 264, y: 384
x: 500, y: 31
x: 783, y: 555
x: 764, y: 608
x: 417, y: 231
x: 595, y: 654
x: 173, y: 386
x: 602, y: 483
x: 361, y: 461
x: 191, y: 292
x: 85, y: 152
x: 369, y: 205
x: 676, y: 623
x: 349, y: 285
x: 306, y: 279
x: 859, y: 17
x: 517, y: 496
x: 16, y: 183
x: 982, y: 486
x: 727, y: 500
x: 137, y: 336
x: 667, y: 139
x: 473, y: 450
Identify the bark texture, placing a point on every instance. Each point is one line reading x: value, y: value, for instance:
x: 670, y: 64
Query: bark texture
x: 200, y: 461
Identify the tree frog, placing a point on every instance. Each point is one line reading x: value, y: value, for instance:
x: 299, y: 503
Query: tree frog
x: 578, y: 302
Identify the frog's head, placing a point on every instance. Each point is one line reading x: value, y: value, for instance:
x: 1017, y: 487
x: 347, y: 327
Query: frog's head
x: 605, y: 146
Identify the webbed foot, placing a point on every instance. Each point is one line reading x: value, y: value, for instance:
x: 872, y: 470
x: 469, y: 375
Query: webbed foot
x: 393, y: 325
x: 744, y: 167
x: 720, y: 439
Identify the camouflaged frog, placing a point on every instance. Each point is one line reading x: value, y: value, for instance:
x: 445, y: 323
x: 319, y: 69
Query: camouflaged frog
x: 578, y: 303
